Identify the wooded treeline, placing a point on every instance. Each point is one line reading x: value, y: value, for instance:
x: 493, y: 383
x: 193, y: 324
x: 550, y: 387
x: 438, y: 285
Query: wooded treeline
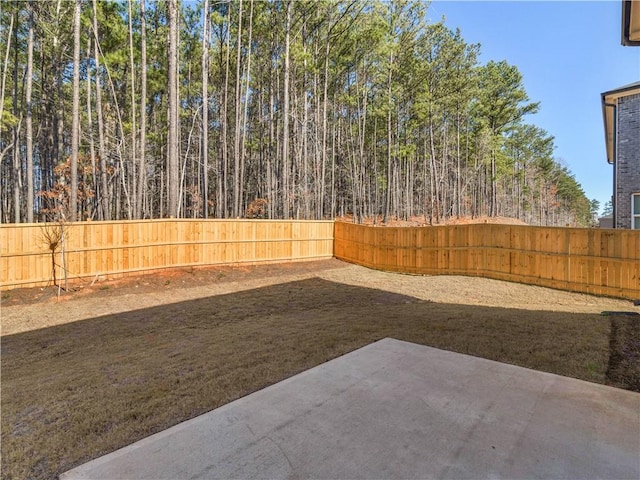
x: 274, y: 109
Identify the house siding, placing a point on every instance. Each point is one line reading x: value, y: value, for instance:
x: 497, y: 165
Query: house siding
x: 627, y: 162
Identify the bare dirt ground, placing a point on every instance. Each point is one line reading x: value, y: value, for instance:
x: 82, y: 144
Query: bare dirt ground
x: 110, y: 363
x: 33, y: 308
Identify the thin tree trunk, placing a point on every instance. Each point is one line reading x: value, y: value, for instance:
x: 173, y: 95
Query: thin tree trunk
x: 494, y: 194
x: 362, y: 132
x: 75, y: 125
x: 285, y: 120
x: 458, y: 171
x: 433, y: 180
x: 237, y: 111
x: 222, y: 172
x: 333, y: 168
x: 172, y: 147
x: 325, y: 101
x: 246, y: 102
x: 271, y: 180
x: 92, y: 149
x: 376, y: 206
x: 104, y: 187
x: 304, y: 150
x: 204, y: 192
x: 29, y: 117
x: 142, y: 174
x: 58, y: 122
x: 132, y: 68
x: 387, y: 205
x: 3, y: 207
x: 183, y: 169
x: 17, y: 181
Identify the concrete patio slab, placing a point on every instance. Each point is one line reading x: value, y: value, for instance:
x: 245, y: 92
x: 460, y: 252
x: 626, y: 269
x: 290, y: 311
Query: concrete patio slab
x: 398, y: 410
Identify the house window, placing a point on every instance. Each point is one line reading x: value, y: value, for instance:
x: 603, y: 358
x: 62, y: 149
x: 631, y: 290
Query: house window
x: 635, y: 211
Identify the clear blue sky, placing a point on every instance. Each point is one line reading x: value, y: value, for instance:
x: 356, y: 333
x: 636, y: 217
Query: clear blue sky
x: 568, y: 53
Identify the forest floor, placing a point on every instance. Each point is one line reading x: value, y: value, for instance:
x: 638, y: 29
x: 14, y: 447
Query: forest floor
x: 110, y: 363
x: 418, y: 221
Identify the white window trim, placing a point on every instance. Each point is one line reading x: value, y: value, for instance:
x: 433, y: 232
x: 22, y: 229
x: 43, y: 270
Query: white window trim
x: 634, y: 214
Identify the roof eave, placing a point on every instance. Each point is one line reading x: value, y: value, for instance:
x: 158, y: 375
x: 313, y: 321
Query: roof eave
x: 609, y: 105
x: 608, y: 119
x: 631, y: 23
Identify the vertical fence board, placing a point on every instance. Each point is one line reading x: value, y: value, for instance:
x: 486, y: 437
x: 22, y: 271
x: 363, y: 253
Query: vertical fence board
x: 603, y: 262
x: 588, y: 260
x: 117, y: 248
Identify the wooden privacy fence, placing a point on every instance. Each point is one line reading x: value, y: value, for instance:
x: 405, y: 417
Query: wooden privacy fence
x: 602, y: 262
x: 121, y: 248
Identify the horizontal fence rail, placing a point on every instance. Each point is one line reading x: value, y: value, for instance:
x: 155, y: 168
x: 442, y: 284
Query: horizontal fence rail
x: 131, y: 247
x: 601, y: 262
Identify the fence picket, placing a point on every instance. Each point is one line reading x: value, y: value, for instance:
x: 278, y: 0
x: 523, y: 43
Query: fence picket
x: 114, y: 249
x: 603, y: 262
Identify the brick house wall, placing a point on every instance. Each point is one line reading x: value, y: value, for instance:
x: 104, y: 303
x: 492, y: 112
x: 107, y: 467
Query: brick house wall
x: 627, y: 164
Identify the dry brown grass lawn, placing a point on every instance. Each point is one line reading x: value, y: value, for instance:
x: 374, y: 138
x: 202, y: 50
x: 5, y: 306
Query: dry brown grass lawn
x: 74, y: 391
x: 624, y: 359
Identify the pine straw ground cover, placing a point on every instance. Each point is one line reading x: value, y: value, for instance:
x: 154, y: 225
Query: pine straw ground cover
x: 75, y: 391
